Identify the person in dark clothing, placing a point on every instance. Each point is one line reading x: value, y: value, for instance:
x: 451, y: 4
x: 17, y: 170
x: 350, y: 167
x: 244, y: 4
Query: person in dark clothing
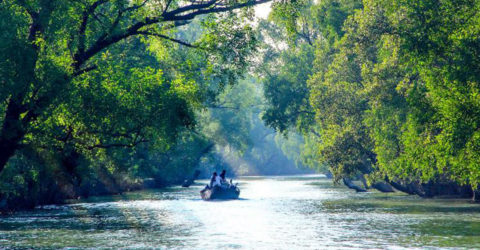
x: 222, y: 176
x: 213, y: 179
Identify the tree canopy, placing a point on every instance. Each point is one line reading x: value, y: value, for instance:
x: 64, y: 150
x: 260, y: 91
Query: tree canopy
x: 118, y: 91
x: 94, y: 83
x: 393, y: 89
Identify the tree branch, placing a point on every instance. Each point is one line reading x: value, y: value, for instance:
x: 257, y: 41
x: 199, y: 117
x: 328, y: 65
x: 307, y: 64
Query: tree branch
x: 168, y: 5
x: 27, y: 7
x: 223, y: 107
x: 83, y: 26
x: 315, y: 133
x: 117, y: 145
x: 120, y: 14
x: 85, y: 70
x: 166, y: 37
x: 193, y: 9
x: 202, y: 9
x: 135, y: 7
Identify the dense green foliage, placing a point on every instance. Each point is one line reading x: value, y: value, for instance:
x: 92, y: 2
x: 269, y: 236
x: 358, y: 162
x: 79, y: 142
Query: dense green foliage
x: 310, y: 30
x: 97, y: 94
x: 394, y: 89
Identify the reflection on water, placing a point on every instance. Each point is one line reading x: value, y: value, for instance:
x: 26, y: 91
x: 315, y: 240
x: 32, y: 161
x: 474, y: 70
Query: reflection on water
x: 273, y: 212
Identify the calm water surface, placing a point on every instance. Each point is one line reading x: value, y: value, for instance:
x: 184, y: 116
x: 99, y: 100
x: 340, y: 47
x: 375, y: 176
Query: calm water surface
x: 297, y: 212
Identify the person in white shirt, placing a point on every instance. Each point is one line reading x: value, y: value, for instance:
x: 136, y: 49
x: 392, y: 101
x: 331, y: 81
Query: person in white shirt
x: 218, y: 181
x: 215, y: 180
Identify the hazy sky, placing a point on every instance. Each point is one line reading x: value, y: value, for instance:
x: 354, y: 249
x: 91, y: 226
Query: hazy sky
x: 262, y: 10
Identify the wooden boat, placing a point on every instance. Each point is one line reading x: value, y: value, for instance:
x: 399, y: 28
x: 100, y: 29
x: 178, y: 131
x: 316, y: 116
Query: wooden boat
x: 220, y: 193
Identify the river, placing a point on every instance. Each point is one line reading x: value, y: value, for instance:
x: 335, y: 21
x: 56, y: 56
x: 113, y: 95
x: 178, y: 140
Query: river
x: 293, y: 212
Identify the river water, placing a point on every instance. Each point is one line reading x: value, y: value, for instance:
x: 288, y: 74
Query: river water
x: 294, y: 212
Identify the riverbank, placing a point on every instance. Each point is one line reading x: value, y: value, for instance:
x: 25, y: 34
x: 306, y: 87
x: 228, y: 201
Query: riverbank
x: 270, y: 213
x: 58, y: 192
x: 66, y: 193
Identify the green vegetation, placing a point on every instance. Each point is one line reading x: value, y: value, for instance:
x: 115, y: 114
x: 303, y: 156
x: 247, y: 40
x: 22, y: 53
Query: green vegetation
x: 97, y: 95
x: 243, y: 144
x: 103, y: 96
x: 393, y: 90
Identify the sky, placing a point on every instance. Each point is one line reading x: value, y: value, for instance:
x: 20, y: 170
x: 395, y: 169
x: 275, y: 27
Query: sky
x: 262, y: 10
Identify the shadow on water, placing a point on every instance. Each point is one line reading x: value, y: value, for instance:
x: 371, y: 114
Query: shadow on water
x: 348, y: 201
x: 132, y: 219
x: 226, y: 200
x: 400, y: 204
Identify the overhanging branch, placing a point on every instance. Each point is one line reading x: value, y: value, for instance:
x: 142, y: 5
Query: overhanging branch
x: 179, y: 16
x: 85, y: 70
x: 200, y: 9
x: 116, y: 145
x: 166, y: 37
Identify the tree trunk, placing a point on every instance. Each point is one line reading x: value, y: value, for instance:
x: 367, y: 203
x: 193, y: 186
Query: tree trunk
x: 12, y: 132
x: 191, y: 180
x: 69, y: 163
x: 352, y: 185
x: 363, y: 180
x: 383, y: 187
x: 401, y: 188
x: 328, y: 175
x: 476, y: 195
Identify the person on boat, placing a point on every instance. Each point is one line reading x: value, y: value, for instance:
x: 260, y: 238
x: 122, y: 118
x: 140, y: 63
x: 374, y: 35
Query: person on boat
x: 222, y: 177
x: 215, y: 180
x: 218, y: 181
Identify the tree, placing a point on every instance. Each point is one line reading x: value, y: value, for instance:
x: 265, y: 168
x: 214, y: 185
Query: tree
x: 49, y: 46
x: 402, y: 86
x: 290, y: 73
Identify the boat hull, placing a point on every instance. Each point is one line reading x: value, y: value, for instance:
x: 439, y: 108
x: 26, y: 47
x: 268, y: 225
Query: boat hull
x: 218, y: 193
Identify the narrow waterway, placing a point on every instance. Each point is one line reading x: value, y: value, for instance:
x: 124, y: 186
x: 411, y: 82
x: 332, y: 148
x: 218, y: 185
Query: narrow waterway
x: 296, y: 212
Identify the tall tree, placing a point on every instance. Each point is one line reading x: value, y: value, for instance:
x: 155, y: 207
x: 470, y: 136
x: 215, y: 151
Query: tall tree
x: 48, y: 45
